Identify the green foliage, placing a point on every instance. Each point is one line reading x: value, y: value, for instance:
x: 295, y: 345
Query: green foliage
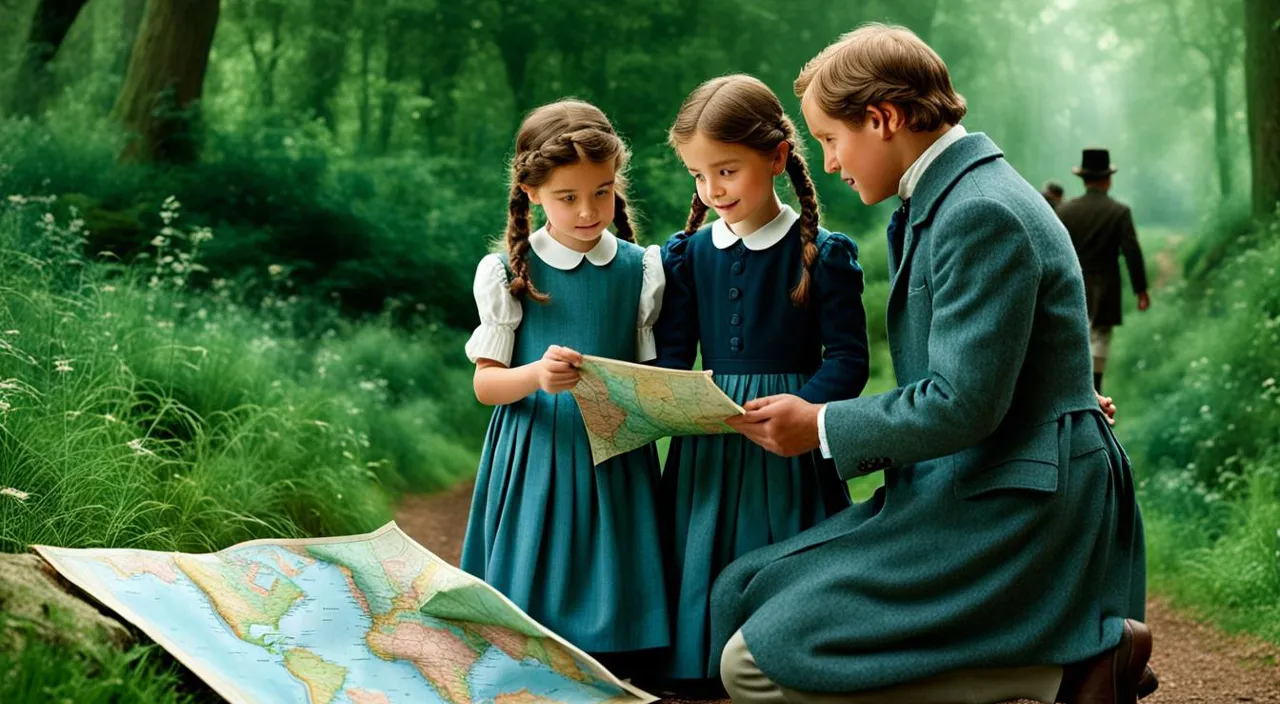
x: 42, y: 673
x: 1195, y: 379
x: 137, y: 413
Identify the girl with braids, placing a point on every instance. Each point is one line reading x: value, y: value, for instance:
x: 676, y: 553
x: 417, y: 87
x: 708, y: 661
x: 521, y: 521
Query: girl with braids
x: 775, y: 303
x: 575, y: 545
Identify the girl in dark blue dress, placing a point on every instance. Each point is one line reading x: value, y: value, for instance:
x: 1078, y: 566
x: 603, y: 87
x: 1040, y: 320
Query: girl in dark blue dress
x: 775, y: 303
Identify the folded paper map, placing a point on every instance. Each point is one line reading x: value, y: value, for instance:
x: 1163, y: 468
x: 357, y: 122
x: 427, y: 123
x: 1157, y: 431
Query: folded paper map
x: 363, y: 619
x: 628, y: 405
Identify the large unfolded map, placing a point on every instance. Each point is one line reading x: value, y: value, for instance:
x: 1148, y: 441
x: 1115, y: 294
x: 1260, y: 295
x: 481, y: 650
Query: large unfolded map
x: 366, y: 619
x: 627, y: 405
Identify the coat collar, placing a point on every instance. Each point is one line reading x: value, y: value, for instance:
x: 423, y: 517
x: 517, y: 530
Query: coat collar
x: 561, y: 257
x: 954, y: 161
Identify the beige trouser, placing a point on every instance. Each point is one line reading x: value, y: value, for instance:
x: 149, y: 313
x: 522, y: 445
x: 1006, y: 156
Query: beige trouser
x: 1100, y: 347
x: 748, y: 685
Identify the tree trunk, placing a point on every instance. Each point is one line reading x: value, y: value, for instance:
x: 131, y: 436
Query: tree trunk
x: 325, y: 58
x: 1262, y: 75
x: 162, y: 88
x: 265, y: 66
x: 130, y: 20
x: 366, y: 90
x: 1221, y: 137
x: 393, y: 72
x: 33, y: 82
x: 515, y: 43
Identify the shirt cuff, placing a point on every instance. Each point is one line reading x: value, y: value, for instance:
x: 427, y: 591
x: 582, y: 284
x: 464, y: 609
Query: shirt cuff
x: 491, y: 342
x: 646, y: 345
x: 822, y: 433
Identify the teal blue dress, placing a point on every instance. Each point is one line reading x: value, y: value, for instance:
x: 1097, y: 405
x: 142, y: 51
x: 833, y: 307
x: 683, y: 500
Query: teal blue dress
x: 724, y: 496
x: 574, y: 545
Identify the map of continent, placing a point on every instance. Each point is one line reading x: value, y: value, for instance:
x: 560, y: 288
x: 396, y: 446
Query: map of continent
x: 625, y: 406
x: 366, y: 619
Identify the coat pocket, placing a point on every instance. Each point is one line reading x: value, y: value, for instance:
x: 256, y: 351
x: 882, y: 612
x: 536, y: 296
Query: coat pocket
x: 1027, y: 461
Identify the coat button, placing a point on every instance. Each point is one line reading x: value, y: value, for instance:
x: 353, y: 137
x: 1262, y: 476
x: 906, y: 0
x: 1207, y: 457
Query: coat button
x: 735, y: 343
x: 734, y: 294
x: 737, y: 267
x: 735, y: 319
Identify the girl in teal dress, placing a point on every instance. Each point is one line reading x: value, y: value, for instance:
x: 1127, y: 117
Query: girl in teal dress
x: 575, y: 545
x: 774, y: 302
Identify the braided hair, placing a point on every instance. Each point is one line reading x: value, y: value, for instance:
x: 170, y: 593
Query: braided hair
x: 740, y: 109
x: 554, y: 135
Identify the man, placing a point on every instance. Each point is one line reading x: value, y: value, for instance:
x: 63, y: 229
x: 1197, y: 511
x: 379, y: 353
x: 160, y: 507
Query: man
x: 1101, y: 229
x: 1004, y: 556
x: 1052, y: 192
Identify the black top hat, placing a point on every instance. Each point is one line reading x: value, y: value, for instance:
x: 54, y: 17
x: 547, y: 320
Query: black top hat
x: 1094, y: 163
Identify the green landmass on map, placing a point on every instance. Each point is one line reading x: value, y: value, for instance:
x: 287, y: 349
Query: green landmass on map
x: 626, y: 406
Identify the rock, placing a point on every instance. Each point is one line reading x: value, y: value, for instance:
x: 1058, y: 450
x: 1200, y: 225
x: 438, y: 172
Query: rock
x: 35, y: 602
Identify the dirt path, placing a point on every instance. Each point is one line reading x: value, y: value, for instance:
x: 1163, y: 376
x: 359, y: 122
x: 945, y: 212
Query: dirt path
x: 1196, y: 663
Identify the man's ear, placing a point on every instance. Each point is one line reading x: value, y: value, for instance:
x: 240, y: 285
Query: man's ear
x: 532, y: 193
x: 886, y: 118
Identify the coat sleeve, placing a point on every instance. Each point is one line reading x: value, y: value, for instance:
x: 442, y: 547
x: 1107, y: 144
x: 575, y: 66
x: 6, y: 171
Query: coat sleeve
x: 1132, y: 253
x: 985, y: 275
x: 842, y: 322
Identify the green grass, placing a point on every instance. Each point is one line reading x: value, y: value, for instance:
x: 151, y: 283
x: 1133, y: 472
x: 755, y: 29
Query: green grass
x: 136, y: 412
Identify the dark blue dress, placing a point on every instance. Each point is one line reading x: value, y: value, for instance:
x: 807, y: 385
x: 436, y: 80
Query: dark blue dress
x: 722, y: 495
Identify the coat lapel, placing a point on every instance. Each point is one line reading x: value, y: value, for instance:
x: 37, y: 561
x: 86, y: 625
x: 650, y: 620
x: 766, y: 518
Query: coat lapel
x: 972, y: 149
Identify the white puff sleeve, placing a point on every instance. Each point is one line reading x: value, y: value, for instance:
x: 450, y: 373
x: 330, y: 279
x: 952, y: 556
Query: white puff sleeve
x: 500, y: 313
x: 651, y: 287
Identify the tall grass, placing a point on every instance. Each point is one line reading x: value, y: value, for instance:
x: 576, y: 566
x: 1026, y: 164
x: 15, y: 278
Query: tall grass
x: 134, y: 413
x: 1196, y: 378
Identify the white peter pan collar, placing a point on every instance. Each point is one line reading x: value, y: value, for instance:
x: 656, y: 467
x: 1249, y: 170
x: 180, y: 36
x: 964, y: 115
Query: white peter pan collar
x: 565, y: 259
x: 768, y: 235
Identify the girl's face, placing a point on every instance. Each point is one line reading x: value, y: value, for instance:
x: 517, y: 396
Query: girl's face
x: 578, y: 201
x: 735, y: 180
x: 863, y: 155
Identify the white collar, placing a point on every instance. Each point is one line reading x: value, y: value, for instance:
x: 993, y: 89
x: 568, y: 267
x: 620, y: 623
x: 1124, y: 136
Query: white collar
x: 907, y: 185
x: 565, y: 259
x: 768, y: 235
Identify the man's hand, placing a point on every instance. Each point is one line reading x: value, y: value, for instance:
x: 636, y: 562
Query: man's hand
x: 1108, y: 407
x: 785, y: 425
x: 1144, y: 301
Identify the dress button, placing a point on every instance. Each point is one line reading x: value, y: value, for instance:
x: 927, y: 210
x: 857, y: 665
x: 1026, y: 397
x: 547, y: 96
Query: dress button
x: 737, y: 267
x: 735, y: 319
x: 734, y: 294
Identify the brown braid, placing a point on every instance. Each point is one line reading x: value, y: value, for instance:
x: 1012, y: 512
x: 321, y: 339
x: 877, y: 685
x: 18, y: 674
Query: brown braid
x: 742, y: 110
x: 518, y: 246
x: 621, y: 219
x: 697, y: 214
x: 798, y: 170
x: 559, y: 134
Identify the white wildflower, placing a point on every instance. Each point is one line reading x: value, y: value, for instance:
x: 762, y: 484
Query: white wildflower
x: 63, y: 366
x: 138, y: 449
x: 17, y: 494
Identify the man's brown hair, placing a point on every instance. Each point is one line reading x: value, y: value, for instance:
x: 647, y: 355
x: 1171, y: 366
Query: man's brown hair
x: 879, y: 63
